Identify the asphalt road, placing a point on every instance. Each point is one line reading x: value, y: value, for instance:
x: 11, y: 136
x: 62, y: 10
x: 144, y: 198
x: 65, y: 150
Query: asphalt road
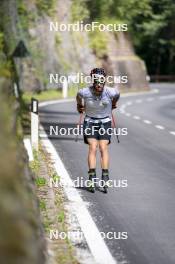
x: 146, y: 159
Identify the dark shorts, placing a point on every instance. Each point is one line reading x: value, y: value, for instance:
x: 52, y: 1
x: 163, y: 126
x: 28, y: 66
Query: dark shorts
x: 99, y: 131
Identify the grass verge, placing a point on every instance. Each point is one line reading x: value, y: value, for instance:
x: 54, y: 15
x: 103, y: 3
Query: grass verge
x: 52, y: 209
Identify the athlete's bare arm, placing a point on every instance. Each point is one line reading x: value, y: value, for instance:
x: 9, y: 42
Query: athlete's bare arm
x: 80, y: 107
x: 114, y: 101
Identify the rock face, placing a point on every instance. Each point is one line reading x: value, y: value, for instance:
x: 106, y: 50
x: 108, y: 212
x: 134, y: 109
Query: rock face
x: 63, y: 52
x: 74, y: 45
x: 124, y: 62
x: 21, y: 234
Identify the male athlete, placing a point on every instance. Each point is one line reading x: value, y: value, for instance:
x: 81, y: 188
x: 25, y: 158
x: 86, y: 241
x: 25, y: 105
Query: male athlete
x: 97, y: 101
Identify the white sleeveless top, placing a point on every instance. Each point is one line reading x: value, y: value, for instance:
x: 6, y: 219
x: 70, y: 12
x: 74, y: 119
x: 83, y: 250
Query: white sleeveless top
x: 98, y: 106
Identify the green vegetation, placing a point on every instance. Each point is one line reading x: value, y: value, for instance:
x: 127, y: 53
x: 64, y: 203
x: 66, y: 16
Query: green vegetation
x: 42, y: 205
x: 47, y: 223
x: 52, y: 211
x: 1, y: 41
x: 20, y: 221
x: 55, y: 177
x: 50, y: 94
x: 151, y: 26
x: 45, y: 6
x: 40, y: 181
x: 79, y: 10
x: 5, y: 69
x: 42, y: 96
x: 98, y: 43
x: 5, y: 65
x: 23, y: 24
x: 58, y: 200
x: 38, y: 55
x: 58, y: 39
x: 24, y: 117
x: 35, y: 164
x: 61, y: 217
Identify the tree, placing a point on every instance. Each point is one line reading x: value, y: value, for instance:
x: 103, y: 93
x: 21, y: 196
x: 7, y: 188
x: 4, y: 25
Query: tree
x: 151, y: 25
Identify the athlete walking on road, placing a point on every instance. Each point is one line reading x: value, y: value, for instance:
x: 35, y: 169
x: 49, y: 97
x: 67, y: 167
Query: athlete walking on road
x: 97, y: 101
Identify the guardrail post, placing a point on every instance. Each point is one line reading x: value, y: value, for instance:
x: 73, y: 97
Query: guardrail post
x: 65, y: 88
x: 34, y: 124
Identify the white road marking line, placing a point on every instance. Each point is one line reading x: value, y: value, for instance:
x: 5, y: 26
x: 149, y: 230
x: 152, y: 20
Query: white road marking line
x: 41, y: 104
x: 150, y: 99
x: 170, y: 96
x: 40, y: 128
x: 159, y: 127
x: 153, y: 91
x: 93, y: 237
x: 42, y: 135
x: 127, y: 114
x: 172, y: 133
x: 136, y: 117
x: 129, y: 103
x: 147, y: 122
x: 139, y: 101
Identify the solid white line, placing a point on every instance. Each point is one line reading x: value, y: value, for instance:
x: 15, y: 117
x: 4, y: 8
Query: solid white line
x: 153, y: 91
x: 41, y: 104
x: 42, y: 135
x: 147, y: 122
x: 92, y: 235
x: 136, y: 117
x: 28, y: 147
x: 41, y: 127
x: 172, y: 133
x: 159, y: 127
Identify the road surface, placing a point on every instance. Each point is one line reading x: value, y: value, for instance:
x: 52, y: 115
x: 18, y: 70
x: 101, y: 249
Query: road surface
x: 145, y: 158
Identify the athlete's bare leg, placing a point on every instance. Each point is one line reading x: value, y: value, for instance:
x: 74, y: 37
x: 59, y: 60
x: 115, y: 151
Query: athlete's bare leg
x: 93, y: 145
x: 103, y: 145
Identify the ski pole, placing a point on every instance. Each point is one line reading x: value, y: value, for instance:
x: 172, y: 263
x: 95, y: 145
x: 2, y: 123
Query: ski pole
x: 114, y: 125
x: 78, y: 126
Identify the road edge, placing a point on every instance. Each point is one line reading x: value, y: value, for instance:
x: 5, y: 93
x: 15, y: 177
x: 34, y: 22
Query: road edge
x: 96, y: 244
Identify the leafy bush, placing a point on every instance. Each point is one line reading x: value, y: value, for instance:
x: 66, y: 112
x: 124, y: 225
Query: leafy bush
x: 45, y: 6
x: 79, y: 10
x: 98, y: 43
x: 151, y: 26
